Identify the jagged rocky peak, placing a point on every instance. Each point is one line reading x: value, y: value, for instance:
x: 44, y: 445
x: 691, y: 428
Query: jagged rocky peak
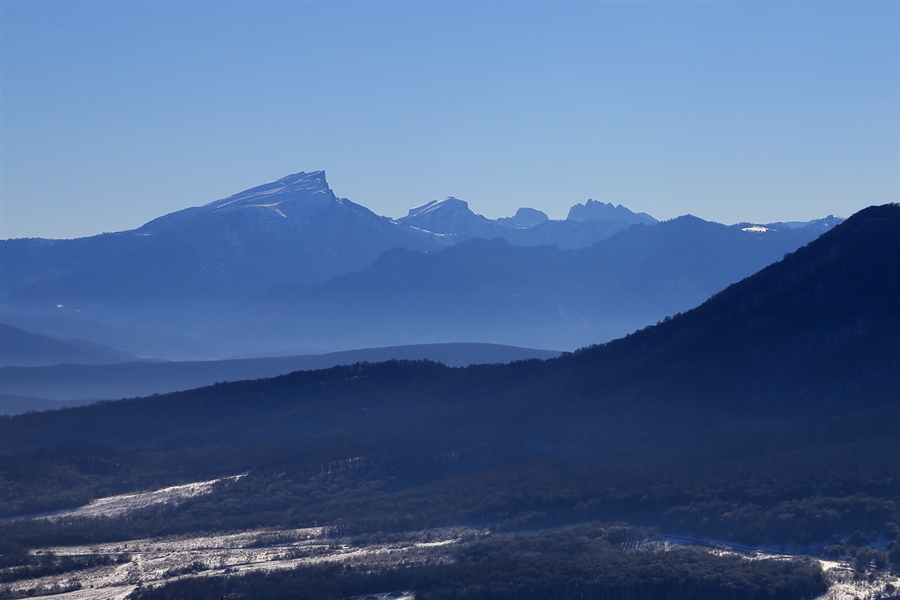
x: 597, y: 211
x: 299, y: 191
x: 523, y: 219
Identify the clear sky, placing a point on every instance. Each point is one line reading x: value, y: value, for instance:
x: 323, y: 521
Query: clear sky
x: 113, y: 113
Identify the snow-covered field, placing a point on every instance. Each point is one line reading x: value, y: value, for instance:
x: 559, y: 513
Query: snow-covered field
x: 155, y: 561
x: 846, y: 586
x: 844, y: 583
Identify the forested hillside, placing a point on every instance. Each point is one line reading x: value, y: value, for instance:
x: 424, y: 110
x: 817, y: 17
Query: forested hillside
x: 768, y: 415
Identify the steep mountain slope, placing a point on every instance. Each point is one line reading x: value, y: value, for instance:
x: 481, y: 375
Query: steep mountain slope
x: 768, y: 413
x: 482, y: 290
x: 818, y: 330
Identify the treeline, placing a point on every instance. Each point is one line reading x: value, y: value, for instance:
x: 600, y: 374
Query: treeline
x: 585, y: 562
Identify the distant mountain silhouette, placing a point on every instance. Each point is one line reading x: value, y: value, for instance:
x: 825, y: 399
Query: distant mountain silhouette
x: 185, y: 266
x: 596, y: 211
x: 489, y: 290
x: 16, y: 405
x: 290, y: 265
x: 27, y: 349
x: 137, y: 341
x: 767, y: 414
x: 586, y: 225
x: 819, y: 329
x: 450, y: 216
x: 524, y: 218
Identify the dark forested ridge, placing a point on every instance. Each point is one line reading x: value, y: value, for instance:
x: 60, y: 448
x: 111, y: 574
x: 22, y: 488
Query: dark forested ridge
x: 766, y: 415
x: 82, y: 384
x: 817, y: 330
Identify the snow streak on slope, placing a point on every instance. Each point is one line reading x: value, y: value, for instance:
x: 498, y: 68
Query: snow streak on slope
x: 156, y: 561
x: 113, y: 506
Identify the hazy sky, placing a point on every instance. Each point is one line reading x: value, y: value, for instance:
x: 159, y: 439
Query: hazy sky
x: 115, y: 113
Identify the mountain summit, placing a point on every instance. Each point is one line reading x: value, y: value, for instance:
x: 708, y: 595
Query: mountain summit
x: 297, y: 191
x: 289, y: 264
x: 295, y: 196
x: 586, y: 225
x: 596, y: 211
x: 181, y: 268
x: 450, y: 216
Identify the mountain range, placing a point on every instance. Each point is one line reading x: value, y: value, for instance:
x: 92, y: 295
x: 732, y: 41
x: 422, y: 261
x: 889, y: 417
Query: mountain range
x: 765, y: 417
x: 291, y: 267
x: 767, y: 414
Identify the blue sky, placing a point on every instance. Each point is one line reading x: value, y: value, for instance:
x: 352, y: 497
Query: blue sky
x: 115, y: 113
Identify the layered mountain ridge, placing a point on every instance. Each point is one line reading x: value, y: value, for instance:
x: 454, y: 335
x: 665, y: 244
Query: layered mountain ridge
x: 289, y: 266
x: 594, y: 211
x: 586, y: 224
x: 768, y: 414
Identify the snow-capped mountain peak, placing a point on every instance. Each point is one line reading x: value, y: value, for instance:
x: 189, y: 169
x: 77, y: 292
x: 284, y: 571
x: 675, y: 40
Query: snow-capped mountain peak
x: 296, y: 193
x: 449, y: 216
x: 294, y: 196
x: 445, y: 206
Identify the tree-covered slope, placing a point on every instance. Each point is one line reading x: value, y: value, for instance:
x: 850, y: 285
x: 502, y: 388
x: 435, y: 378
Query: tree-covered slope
x: 769, y: 413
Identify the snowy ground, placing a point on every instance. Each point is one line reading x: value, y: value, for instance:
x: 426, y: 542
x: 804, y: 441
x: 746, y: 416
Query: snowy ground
x: 116, y: 505
x: 845, y: 584
x: 155, y: 561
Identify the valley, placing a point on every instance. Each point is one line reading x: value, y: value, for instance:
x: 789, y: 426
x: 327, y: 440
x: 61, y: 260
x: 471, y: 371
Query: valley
x: 117, y: 570
x: 598, y: 300
x: 765, y: 417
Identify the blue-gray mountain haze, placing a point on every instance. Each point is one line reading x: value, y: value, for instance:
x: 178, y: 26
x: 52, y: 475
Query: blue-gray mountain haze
x: 290, y: 267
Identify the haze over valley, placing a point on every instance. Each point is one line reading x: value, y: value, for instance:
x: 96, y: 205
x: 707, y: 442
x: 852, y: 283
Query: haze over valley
x: 291, y: 267
x: 765, y: 418
x: 597, y: 301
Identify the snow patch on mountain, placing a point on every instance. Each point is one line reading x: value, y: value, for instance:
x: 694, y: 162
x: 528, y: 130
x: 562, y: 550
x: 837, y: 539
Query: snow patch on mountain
x: 295, y: 194
x: 449, y: 216
x: 437, y: 207
x: 113, y: 506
